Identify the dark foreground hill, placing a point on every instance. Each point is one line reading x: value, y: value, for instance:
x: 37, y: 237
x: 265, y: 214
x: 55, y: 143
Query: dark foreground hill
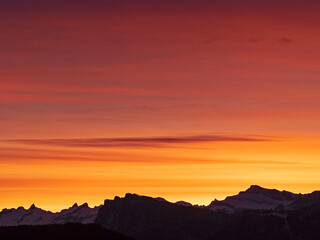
x: 146, y: 218
x: 68, y: 231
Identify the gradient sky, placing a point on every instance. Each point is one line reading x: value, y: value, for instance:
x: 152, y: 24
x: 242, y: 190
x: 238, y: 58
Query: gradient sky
x: 191, y: 100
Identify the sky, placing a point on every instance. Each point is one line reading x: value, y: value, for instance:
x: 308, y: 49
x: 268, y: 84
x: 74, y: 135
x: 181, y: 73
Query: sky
x: 187, y: 100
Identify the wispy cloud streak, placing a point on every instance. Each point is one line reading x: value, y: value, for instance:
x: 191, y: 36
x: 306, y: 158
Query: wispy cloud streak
x: 138, y: 141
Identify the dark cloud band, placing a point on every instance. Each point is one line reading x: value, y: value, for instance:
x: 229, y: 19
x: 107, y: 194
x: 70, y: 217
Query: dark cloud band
x: 139, y: 141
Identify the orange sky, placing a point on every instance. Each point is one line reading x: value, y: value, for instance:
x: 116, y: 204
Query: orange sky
x: 188, y: 101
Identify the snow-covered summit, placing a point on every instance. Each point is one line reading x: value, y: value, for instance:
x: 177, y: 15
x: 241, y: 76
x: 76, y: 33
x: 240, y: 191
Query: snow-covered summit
x: 37, y: 216
x: 255, y: 198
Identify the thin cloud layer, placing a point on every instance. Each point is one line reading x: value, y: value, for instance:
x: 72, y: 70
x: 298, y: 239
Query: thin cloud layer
x: 138, y: 141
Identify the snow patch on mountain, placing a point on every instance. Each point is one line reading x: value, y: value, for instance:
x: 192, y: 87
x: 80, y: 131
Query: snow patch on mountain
x: 36, y: 216
x: 255, y: 198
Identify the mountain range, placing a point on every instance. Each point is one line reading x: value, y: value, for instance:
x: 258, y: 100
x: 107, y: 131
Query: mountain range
x: 257, y: 213
x: 36, y: 216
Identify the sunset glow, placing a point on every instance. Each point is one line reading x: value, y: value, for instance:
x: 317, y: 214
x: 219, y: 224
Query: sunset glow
x: 192, y: 101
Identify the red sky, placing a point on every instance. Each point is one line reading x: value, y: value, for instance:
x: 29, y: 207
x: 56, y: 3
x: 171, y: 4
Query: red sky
x: 190, y: 100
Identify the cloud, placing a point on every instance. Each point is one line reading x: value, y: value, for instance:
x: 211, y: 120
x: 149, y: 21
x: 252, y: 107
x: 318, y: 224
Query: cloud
x: 138, y: 141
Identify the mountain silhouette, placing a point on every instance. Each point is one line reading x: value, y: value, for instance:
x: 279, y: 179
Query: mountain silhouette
x: 146, y: 218
x: 256, y: 213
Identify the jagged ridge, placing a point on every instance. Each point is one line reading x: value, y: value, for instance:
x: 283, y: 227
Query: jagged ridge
x: 36, y: 216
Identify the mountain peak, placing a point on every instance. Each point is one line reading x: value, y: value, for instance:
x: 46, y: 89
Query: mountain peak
x: 160, y: 199
x: 255, y: 197
x: 75, y: 205
x: 183, y: 203
x: 255, y: 188
x: 131, y: 195
x: 85, y: 205
x: 37, y: 216
x: 32, y: 207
